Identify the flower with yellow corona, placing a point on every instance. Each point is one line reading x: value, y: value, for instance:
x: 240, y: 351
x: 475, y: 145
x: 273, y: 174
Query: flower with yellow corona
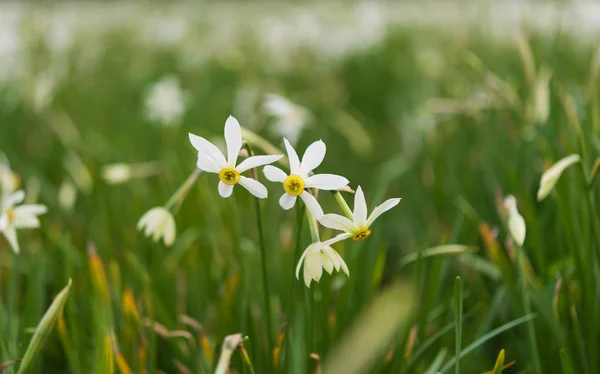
x: 319, y: 256
x: 358, y: 227
x: 158, y: 223
x: 14, y: 216
x: 299, y: 179
x: 211, y: 160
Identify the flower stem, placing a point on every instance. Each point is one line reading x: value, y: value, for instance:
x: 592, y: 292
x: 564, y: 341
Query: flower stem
x: 340, y: 200
x: 313, y: 226
x: 183, y: 190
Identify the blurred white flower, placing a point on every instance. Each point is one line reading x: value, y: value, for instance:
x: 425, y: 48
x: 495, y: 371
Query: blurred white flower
x: 211, y: 160
x: 158, y: 223
x: 166, y: 102
x: 165, y: 30
x: 14, y: 216
x: 516, y: 223
x: 358, y: 227
x: 121, y: 172
x: 551, y: 176
x: 67, y: 195
x: 295, y: 183
x: 319, y: 256
x: 9, y: 181
x: 291, y: 118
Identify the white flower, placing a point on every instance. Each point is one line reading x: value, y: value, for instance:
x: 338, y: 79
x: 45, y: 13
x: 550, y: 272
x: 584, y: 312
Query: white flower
x: 166, y: 102
x: 8, y: 181
x: 295, y: 183
x: 14, y: 216
x: 211, y: 160
x: 358, y: 227
x: 551, y: 176
x: 516, y: 223
x: 120, y: 172
x: 158, y: 223
x: 291, y: 118
x: 319, y: 256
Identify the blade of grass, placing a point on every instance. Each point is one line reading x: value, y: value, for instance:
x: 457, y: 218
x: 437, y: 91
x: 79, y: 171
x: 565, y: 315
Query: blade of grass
x: 443, y: 250
x: 437, y: 362
x: 458, y: 311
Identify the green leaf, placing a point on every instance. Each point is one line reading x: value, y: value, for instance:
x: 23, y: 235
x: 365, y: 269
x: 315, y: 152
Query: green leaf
x: 437, y: 362
x: 458, y: 311
x: 567, y: 367
x: 499, y: 363
x: 442, y: 250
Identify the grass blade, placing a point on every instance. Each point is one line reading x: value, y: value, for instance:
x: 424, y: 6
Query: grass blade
x: 488, y: 336
x: 499, y: 363
x: 458, y: 311
x: 442, y: 250
x: 437, y: 362
x: 44, y: 329
x: 567, y: 367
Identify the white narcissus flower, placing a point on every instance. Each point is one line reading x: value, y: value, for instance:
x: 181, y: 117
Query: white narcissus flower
x: 14, y: 217
x: 299, y: 179
x: 166, y: 102
x: 158, y: 223
x: 319, y: 256
x: 516, y: 223
x: 211, y: 160
x: 291, y: 118
x: 358, y: 227
x: 551, y: 176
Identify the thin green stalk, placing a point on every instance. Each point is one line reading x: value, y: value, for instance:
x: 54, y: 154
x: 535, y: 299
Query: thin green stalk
x: 458, y: 312
x: 537, y: 367
x: 313, y: 226
x: 183, y: 190
x: 343, y: 204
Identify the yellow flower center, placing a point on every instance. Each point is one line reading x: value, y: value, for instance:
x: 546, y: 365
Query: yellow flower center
x: 361, y: 235
x: 294, y: 185
x: 229, y: 176
x: 11, y: 215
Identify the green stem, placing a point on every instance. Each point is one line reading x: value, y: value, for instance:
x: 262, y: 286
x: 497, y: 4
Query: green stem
x: 527, y: 308
x: 183, y: 190
x: 340, y: 200
x: 313, y: 226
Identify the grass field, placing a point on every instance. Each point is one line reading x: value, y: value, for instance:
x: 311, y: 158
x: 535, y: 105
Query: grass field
x: 452, y: 118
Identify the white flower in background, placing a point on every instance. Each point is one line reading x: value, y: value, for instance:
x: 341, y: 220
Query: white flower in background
x: 9, y: 181
x: 516, y: 223
x: 358, y: 227
x: 291, y: 118
x: 295, y: 183
x: 166, y: 102
x: 158, y: 223
x: 211, y: 160
x: 551, y: 176
x: 319, y: 256
x: 14, y: 216
x: 121, y: 172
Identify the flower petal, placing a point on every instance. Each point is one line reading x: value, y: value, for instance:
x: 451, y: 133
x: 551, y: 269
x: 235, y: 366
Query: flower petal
x: 254, y: 187
x: 11, y: 236
x: 169, y: 231
x: 360, y: 209
x: 205, y: 147
x: 326, y: 181
x: 274, y: 174
x: 337, y: 222
x: 326, y: 261
x: 333, y: 256
x: 13, y: 199
x: 380, y: 209
x: 313, y: 156
x: 207, y: 164
x: 312, y: 204
x: 225, y: 189
x: 516, y: 226
x: 314, y: 264
x: 26, y: 221
x: 551, y: 176
x: 337, y: 238
x: 256, y: 161
x: 300, y: 262
x: 35, y: 209
x: 233, y: 138
x: 287, y: 201
x: 292, y: 157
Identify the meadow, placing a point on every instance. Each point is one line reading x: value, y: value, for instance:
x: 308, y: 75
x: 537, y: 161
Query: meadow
x: 489, y: 263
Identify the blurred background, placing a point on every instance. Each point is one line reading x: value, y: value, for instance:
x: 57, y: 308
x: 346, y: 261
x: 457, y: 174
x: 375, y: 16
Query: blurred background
x: 449, y: 105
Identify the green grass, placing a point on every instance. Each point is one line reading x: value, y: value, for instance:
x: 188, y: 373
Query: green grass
x: 449, y: 121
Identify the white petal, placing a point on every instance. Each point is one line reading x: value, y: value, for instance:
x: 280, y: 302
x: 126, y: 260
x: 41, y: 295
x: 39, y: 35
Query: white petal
x: 254, y: 187
x: 337, y: 222
x: 307, y: 274
x: 225, y: 189
x: 315, y: 265
x: 287, y: 201
x: 256, y: 161
x: 313, y: 156
x: 333, y: 256
x: 326, y: 182
x: 337, y: 238
x: 300, y: 262
x: 344, y: 266
x: 207, y: 164
x: 312, y: 204
x: 516, y: 226
x: 292, y: 157
x: 274, y: 174
x: 11, y: 236
x: 326, y: 261
x: 360, y: 208
x: 143, y: 221
x: 26, y: 221
x: 205, y: 147
x: 551, y: 176
x: 169, y: 231
x: 3, y: 222
x: 35, y: 209
x: 233, y: 138
x: 380, y: 209
x: 13, y: 199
